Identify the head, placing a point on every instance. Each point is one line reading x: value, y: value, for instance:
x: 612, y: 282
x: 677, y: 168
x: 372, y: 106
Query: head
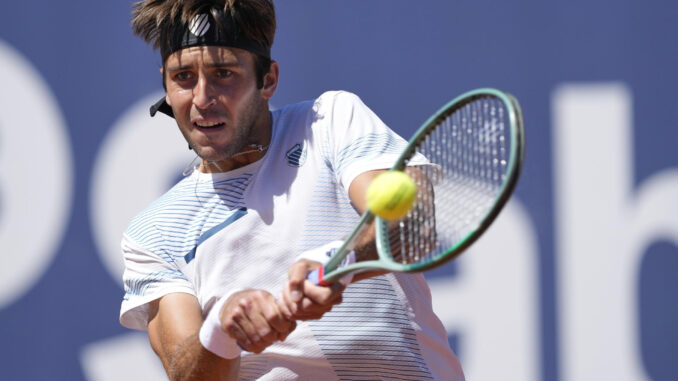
x: 216, y: 68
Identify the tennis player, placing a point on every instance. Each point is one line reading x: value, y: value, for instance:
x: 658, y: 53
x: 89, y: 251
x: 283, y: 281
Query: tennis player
x: 214, y: 268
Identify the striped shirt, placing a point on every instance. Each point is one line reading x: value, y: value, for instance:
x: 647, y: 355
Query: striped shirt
x: 214, y: 233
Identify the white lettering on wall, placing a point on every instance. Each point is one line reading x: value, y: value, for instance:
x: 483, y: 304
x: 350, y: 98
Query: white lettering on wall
x: 602, y: 229
x: 493, y: 301
x: 36, y: 176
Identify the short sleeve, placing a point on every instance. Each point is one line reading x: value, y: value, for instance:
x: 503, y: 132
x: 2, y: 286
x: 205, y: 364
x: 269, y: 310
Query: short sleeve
x: 148, y: 276
x: 357, y: 140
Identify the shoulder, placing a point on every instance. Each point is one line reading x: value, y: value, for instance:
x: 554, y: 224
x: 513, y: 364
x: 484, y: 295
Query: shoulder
x: 324, y: 103
x: 338, y: 95
x: 330, y: 110
x: 338, y: 98
x: 160, y: 210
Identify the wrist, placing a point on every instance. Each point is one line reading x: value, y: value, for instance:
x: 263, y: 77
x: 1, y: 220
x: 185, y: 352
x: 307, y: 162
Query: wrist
x: 213, y: 337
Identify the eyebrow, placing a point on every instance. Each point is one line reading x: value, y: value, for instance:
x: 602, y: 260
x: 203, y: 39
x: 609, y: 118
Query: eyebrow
x: 209, y: 65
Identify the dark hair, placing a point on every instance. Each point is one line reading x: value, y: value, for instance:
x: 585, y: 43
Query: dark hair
x: 156, y: 22
x: 262, y: 65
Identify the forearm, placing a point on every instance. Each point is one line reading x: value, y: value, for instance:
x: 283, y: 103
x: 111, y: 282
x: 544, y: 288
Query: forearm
x: 410, y: 237
x: 173, y: 332
x: 190, y: 361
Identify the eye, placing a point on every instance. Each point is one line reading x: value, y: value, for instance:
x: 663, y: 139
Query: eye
x: 224, y: 73
x: 183, y: 76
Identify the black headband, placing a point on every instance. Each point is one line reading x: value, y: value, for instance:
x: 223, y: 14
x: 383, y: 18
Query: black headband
x: 203, y: 30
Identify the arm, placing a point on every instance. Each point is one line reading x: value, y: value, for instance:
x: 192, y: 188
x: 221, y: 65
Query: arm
x: 173, y: 332
x: 366, y: 247
x: 419, y: 222
x: 251, y: 317
x: 301, y: 299
x: 304, y: 301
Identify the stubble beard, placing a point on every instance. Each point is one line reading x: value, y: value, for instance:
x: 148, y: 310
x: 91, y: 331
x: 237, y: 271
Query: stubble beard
x: 241, y: 138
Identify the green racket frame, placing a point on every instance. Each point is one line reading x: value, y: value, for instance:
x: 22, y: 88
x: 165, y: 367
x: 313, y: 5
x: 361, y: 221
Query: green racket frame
x: 385, y: 262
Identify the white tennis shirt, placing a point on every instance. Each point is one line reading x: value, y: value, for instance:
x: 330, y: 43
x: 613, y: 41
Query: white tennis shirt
x: 213, y: 233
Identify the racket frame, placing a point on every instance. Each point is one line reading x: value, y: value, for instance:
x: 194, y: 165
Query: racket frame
x: 385, y: 261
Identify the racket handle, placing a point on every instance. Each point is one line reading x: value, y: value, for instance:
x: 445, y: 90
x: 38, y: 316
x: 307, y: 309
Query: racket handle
x: 316, y: 277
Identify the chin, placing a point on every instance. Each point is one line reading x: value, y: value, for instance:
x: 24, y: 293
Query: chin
x: 210, y: 154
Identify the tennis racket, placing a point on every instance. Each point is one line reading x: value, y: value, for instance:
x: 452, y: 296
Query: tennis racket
x: 473, y: 151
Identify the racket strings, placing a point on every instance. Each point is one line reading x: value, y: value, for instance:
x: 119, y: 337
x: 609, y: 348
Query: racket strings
x: 468, y: 155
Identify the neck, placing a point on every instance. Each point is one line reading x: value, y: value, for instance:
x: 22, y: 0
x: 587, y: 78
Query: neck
x: 249, y: 154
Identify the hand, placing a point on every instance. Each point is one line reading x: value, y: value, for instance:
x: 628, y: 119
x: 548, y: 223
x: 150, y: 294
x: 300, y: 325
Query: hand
x: 254, y: 320
x: 302, y: 300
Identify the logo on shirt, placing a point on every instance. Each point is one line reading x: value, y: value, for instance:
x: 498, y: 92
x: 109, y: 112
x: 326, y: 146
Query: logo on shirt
x: 296, y: 156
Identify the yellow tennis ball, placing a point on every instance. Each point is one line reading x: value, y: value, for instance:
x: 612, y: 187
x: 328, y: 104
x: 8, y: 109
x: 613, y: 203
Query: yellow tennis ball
x: 391, y: 195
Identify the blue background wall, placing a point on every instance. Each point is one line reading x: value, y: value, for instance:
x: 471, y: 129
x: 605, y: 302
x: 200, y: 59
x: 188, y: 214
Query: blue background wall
x: 404, y: 59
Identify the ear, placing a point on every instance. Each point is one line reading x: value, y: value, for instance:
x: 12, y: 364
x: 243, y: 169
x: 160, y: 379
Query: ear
x: 270, y: 81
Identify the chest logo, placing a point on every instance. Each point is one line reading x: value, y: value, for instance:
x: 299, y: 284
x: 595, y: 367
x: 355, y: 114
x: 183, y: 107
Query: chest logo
x: 296, y: 156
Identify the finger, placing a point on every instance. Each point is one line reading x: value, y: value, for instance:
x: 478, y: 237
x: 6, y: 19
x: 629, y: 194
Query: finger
x: 310, y: 310
x: 308, y: 305
x: 273, y: 317
x: 287, y: 306
x: 283, y: 307
x: 282, y: 325
x: 285, y: 329
x: 270, y: 322
x: 262, y: 312
x: 317, y: 301
x: 259, y: 309
x: 297, y: 276
x: 255, y: 320
x: 323, y: 295
x: 306, y: 316
x: 236, y: 324
x: 293, y: 326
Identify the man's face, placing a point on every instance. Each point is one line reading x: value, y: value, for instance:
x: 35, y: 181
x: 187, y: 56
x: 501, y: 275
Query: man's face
x: 213, y: 93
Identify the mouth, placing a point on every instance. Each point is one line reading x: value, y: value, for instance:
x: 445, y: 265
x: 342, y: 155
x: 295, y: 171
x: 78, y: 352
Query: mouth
x: 204, y: 125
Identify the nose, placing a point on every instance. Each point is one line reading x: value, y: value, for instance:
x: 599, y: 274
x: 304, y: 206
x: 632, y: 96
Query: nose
x: 203, y: 94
